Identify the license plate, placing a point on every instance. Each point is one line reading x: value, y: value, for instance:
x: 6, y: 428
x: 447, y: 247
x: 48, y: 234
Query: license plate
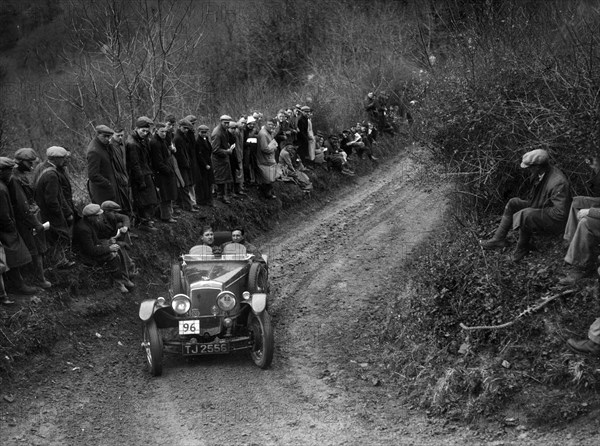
x: 205, y: 349
x: 189, y: 327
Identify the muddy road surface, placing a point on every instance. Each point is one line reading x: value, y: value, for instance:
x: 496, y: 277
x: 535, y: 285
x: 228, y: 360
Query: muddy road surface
x: 329, y: 271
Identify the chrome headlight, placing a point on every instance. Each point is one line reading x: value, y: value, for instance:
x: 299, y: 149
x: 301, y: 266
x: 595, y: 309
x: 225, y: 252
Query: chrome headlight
x: 181, y: 304
x: 226, y: 301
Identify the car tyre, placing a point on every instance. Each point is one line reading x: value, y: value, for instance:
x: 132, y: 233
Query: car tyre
x: 176, y: 285
x: 258, y: 279
x: 263, y: 337
x: 154, y: 347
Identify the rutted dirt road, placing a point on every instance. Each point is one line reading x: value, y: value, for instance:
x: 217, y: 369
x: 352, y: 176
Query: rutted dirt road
x: 329, y: 270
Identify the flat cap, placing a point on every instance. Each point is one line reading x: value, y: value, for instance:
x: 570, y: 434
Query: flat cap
x: 26, y: 154
x: 226, y: 118
x: 57, y: 152
x: 534, y: 158
x: 191, y: 118
x: 143, y: 122
x: 185, y: 123
x: 6, y: 163
x: 298, y: 106
x: 104, y: 130
x: 203, y: 128
x: 110, y: 205
x: 251, y: 120
x: 92, y: 209
x: 305, y: 108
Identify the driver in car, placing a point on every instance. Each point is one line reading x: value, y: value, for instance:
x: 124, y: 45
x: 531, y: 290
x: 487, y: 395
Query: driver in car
x: 238, y: 236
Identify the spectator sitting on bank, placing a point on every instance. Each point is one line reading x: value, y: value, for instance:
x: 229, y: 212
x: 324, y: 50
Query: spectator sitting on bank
x: 336, y: 158
x: 97, y: 251
x: 590, y: 346
x: 546, y: 211
x: 584, y: 202
x: 292, y: 168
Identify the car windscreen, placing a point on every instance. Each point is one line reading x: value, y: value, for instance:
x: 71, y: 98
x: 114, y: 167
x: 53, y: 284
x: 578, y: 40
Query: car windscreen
x: 210, y: 270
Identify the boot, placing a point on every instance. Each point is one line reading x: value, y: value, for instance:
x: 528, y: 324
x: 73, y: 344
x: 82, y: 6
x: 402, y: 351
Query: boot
x: 239, y: 189
x: 17, y: 284
x: 38, y: 267
x: 4, y: 300
x: 523, y: 247
x: 584, y: 346
x: 499, y: 239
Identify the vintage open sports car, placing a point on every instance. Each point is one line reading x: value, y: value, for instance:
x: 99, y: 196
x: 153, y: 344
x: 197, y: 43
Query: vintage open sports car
x: 216, y: 305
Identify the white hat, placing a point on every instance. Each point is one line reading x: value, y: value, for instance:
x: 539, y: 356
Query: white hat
x: 56, y: 151
x: 250, y: 120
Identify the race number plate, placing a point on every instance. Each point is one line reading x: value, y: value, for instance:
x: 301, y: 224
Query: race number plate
x: 189, y: 327
x: 205, y: 349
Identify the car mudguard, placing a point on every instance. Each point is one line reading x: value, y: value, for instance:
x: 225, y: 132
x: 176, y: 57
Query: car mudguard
x: 147, y: 309
x: 259, y: 302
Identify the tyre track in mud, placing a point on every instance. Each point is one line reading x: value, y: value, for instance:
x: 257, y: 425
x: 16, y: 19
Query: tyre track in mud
x: 328, y: 270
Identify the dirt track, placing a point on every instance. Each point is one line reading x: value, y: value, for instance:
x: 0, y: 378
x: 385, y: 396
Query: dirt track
x: 328, y: 272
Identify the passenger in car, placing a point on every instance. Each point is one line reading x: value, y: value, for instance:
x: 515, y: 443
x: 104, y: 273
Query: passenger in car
x: 208, y: 239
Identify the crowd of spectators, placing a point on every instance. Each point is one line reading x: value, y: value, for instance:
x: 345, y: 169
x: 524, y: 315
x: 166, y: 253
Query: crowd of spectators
x: 158, y: 171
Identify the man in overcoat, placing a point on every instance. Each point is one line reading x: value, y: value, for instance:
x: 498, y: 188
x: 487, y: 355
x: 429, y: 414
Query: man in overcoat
x: 139, y: 166
x: 206, y: 178
x: 546, y: 210
x: 221, y: 151
x: 184, y: 146
x: 119, y: 163
x: 27, y: 212
x: 265, y: 157
x: 102, y: 183
x: 164, y: 172
x: 15, y: 249
x: 97, y: 251
x: 50, y: 183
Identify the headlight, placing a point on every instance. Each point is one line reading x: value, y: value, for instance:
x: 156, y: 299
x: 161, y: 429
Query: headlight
x: 181, y: 304
x: 226, y: 301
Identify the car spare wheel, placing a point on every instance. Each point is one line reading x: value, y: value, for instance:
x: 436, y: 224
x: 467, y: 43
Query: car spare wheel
x: 257, y: 279
x: 176, y: 282
x: 263, y: 339
x: 153, y: 347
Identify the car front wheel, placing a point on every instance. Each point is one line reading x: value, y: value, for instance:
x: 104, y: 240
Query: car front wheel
x: 264, y: 343
x: 153, y: 347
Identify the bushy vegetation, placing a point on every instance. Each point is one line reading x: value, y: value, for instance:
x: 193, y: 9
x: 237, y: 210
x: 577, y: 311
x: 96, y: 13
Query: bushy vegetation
x: 516, y: 76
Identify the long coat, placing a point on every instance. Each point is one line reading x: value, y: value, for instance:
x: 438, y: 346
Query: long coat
x: 219, y: 141
x: 302, y: 137
x: 49, y: 195
x: 207, y: 178
x: 30, y: 228
x: 183, y: 155
x: 101, y: 173
x: 91, y: 248
x: 265, y: 156
x: 139, y: 166
x: 117, y: 157
x: 164, y: 170
x: 16, y: 251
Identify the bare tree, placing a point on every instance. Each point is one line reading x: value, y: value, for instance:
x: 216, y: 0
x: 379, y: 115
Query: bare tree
x: 132, y: 57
